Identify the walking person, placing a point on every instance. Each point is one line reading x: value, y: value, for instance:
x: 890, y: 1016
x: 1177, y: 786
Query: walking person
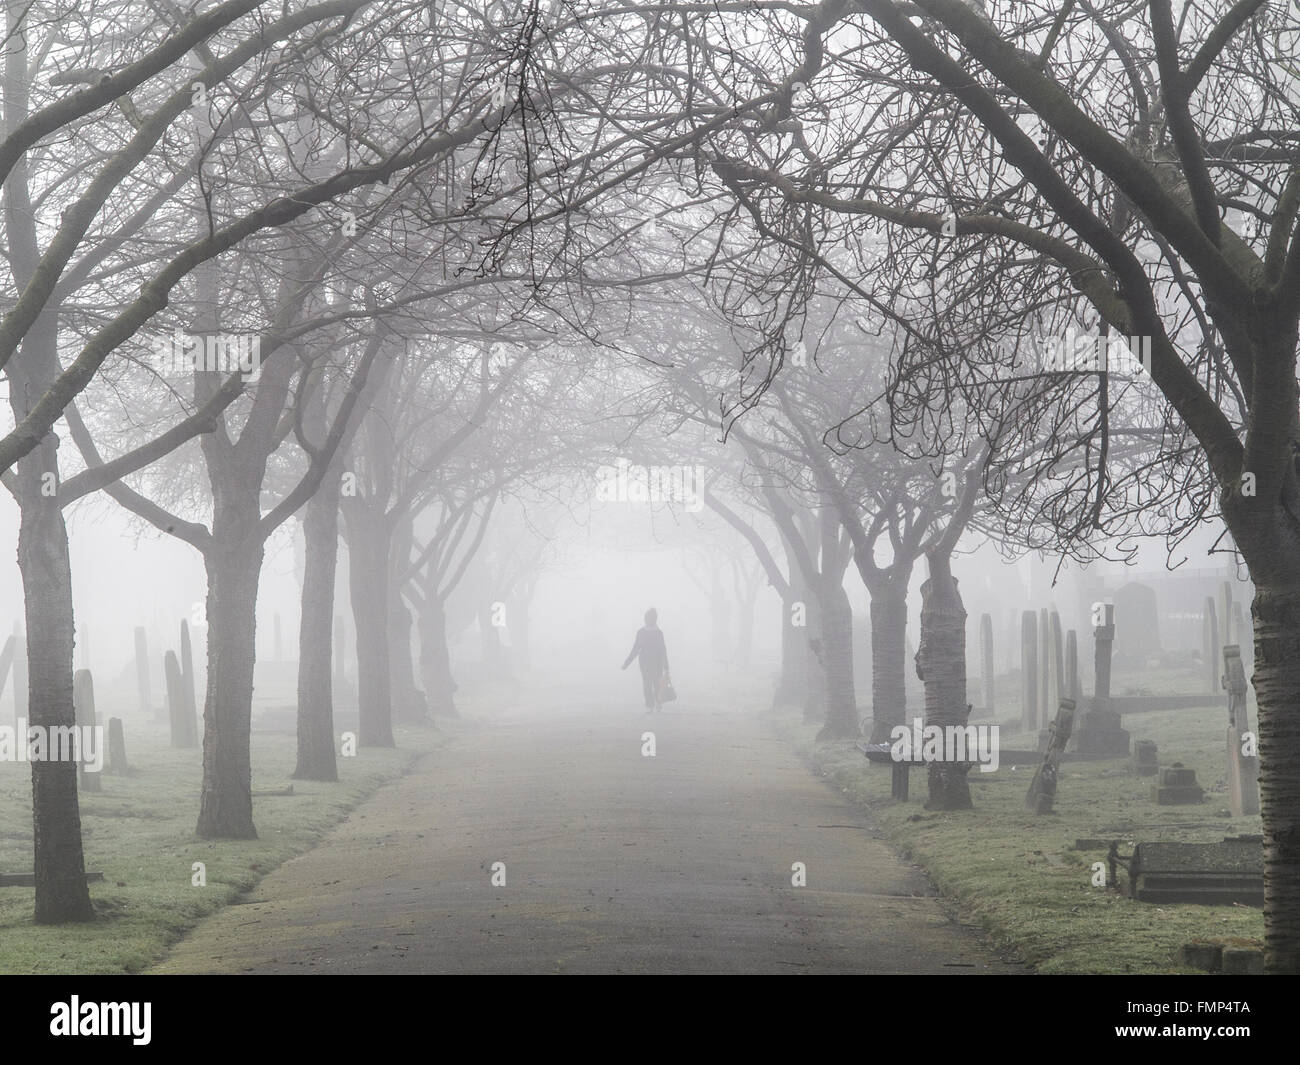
x: 652, y: 655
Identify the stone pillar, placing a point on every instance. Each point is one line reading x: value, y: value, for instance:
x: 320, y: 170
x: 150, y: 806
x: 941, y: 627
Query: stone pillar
x: 1042, y: 788
x: 142, y: 683
x: 1243, y: 768
x: 1044, y: 669
x: 1028, y: 671
x: 1056, y: 663
x: 83, y: 710
x: 117, y: 748
x: 180, y: 719
x: 1099, y: 732
x: 188, y: 688
x: 986, y: 664
x: 1210, y: 644
x: 1071, y: 666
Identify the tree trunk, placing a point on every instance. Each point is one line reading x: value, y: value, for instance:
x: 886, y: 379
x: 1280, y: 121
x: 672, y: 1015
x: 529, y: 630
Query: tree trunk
x: 837, y: 652
x: 316, y: 756
x: 941, y: 664
x: 745, y: 604
x: 814, y: 701
x: 368, y: 573
x: 490, y: 639
x: 791, y: 685
x: 234, y: 565
x: 720, y: 619
x: 408, y: 701
x: 1276, y: 614
x: 61, y: 891
x: 888, y: 660
x: 435, y: 659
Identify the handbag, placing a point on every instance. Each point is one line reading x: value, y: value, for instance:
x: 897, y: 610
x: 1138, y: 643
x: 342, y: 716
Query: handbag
x: 666, y: 692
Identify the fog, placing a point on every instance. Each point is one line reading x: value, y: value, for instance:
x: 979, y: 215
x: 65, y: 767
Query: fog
x: 536, y: 486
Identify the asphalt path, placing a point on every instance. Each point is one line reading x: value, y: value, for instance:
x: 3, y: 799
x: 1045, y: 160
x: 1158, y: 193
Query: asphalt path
x: 548, y: 842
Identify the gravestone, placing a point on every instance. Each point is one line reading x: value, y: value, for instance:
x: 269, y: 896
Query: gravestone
x: 1243, y: 769
x: 117, y: 764
x: 1177, y: 786
x: 180, y: 720
x: 1214, y: 873
x: 1044, y: 658
x: 986, y: 664
x: 1100, y: 732
x: 1227, y: 623
x: 1042, y: 789
x: 1210, y: 644
x: 1056, y: 672
x: 187, y: 679
x: 1071, y: 666
x: 143, y: 686
x: 83, y: 711
x: 1028, y: 671
x: 1137, y: 622
x: 1146, y: 760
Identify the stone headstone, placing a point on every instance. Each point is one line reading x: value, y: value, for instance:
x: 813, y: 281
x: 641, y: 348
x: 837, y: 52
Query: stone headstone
x: 1146, y: 760
x: 1243, y: 769
x: 986, y: 664
x: 1210, y: 644
x: 1072, y: 666
x: 1055, y: 662
x: 1100, y: 732
x: 1137, y: 621
x: 117, y: 764
x: 180, y: 720
x: 1044, y: 668
x: 187, y: 679
x: 1215, y: 873
x: 1042, y: 789
x: 1029, y: 671
x: 83, y: 709
x: 1227, y: 633
x: 143, y: 686
x: 1176, y: 786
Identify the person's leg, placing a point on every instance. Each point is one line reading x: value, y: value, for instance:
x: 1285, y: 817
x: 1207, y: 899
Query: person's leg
x: 648, y: 688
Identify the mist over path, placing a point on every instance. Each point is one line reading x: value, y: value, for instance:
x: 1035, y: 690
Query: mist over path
x: 614, y: 863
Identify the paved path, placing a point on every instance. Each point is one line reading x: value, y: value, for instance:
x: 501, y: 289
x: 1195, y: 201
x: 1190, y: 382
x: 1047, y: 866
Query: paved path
x: 614, y: 863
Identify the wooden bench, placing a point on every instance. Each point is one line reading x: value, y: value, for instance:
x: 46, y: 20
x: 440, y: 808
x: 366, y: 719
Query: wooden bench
x: 879, y: 754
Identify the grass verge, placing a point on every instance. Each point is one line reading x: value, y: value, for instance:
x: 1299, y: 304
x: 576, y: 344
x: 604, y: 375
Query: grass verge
x: 1018, y: 875
x: 139, y: 832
